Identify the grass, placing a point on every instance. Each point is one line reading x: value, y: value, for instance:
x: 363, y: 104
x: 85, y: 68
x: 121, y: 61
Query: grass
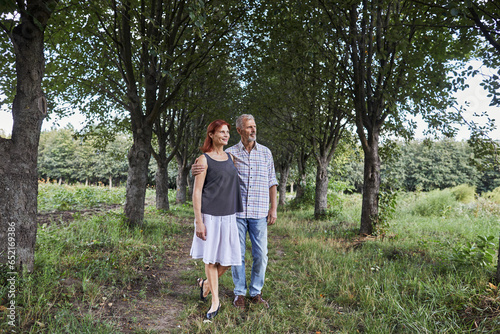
x: 321, y: 277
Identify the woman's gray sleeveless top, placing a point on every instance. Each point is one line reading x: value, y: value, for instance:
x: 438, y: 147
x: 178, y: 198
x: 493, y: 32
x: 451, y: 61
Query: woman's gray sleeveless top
x: 221, y: 194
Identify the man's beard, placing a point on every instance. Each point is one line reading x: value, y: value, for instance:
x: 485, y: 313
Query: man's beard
x: 254, y: 138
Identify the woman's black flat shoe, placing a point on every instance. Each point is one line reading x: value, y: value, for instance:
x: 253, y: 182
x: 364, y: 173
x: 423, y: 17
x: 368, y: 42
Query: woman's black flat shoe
x: 212, y: 315
x: 201, y: 289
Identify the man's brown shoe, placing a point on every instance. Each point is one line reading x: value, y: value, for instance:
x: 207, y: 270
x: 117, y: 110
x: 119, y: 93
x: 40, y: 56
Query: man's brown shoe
x: 239, y: 302
x: 258, y: 300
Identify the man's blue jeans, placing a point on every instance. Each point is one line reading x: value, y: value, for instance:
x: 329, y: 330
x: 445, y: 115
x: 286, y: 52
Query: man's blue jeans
x: 257, y: 230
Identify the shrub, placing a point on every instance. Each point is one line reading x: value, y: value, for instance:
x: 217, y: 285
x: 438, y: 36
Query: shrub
x: 480, y: 252
x: 307, y: 200
x: 66, y: 197
x: 336, y: 197
x: 464, y: 193
x: 435, y: 203
x: 493, y: 195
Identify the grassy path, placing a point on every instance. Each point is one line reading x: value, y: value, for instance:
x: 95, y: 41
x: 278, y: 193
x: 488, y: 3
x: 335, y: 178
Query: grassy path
x: 95, y: 275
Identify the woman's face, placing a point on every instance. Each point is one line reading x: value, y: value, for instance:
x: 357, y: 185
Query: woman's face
x: 220, y: 136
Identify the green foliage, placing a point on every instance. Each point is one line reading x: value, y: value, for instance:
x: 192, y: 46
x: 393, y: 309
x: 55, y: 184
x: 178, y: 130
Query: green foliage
x: 464, y: 193
x: 327, y: 277
x: 52, y: 196
x: 493, y: 195
x: 331, y: 281
x: 387, y: 203
x: 307, y: 200
x: 425, y: 166
x: 336, y: 198
x: 79, y: 264
x: 64, y: 156
x: 436, y: 203
x: 437, y: 165
x: 480, y: 252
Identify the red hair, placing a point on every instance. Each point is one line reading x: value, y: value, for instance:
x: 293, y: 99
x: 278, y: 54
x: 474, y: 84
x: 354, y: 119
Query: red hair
x: 212, y: 127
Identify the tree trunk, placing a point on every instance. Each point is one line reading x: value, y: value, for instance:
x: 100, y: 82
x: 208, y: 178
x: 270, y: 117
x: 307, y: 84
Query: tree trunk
x: 18, y: 155
x: 182, y: 182
x: 110, y: 178
x: 161, y: 177
x: 137, y: 179
x: 301, y: 186
x: 321, y: 195
x: 284, y: 173
x: 371, y: 187
x: 302, y: 177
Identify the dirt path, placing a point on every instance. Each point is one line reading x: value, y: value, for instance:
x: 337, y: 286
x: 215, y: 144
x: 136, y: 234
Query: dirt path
x: 156, y: 302
x: 153, y: 302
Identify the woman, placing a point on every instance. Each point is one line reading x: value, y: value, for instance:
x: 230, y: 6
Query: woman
x: 216, y: 199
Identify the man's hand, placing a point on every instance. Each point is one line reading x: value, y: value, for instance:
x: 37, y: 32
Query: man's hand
x: 197, y: 168
x: 272, y: 216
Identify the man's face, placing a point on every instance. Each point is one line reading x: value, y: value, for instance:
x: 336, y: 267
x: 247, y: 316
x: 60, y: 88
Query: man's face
x: 248, y: 131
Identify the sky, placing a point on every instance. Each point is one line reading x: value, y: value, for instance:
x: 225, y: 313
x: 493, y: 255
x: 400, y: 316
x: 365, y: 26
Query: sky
x: 475, y: 95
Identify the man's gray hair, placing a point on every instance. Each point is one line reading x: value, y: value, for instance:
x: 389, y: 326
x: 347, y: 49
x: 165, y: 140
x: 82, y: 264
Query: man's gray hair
x: 239, y: 120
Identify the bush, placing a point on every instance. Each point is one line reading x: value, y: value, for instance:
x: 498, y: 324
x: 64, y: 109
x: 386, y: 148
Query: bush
x: 464, y: 193
x: 336, y: 197
x: 480, y: 252
x: 305, y: 201
x: 52, y: 196
x: 493, y: 195
x: 435, y: 203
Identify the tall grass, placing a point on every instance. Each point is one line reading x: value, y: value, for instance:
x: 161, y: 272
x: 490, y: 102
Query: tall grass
x: 322, y: 276
x: 52, y: 196
x: 79, y: 263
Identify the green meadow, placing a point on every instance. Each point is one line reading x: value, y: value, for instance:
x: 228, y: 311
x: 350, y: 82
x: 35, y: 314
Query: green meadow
x: 430, y: 269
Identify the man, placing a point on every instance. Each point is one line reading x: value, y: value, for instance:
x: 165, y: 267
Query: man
x: 258, y: 188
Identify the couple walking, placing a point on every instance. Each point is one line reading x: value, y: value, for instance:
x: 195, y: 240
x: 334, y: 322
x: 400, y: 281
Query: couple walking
x: 231, y: 196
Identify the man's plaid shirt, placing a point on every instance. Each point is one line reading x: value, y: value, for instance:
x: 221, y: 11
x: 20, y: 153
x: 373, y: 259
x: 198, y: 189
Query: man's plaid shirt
x: 257, y: 175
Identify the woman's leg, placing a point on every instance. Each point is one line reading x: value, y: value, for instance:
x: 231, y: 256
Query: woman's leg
x: 221, y: 270
x: 212, y: 272
x: 206, y: 286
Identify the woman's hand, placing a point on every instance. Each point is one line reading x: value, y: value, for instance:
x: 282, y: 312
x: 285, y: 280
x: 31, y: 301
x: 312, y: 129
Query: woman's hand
x: 201, y: 230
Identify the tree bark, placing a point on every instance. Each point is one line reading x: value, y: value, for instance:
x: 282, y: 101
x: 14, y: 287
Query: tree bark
x: 301, y: 180
x: 284, y: 173
x: 182, y: 181
x: 18, y: 155
x: 371, y: 187
x: 161, y: 177
x: 137, y: 179
x: 321, y: 194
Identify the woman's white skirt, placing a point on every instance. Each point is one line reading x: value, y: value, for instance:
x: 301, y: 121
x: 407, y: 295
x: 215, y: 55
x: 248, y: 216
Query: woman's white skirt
x: 222, y: 244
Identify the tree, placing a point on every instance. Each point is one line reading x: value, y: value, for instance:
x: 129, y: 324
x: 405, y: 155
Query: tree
x: 111, y: 161
x: 64, y: 156
x: 297, y: 82
x: 57, y: 155
x: 24, y: 23
x: 210, y: 94
x: 398, y: 53
x: 136, y: 58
